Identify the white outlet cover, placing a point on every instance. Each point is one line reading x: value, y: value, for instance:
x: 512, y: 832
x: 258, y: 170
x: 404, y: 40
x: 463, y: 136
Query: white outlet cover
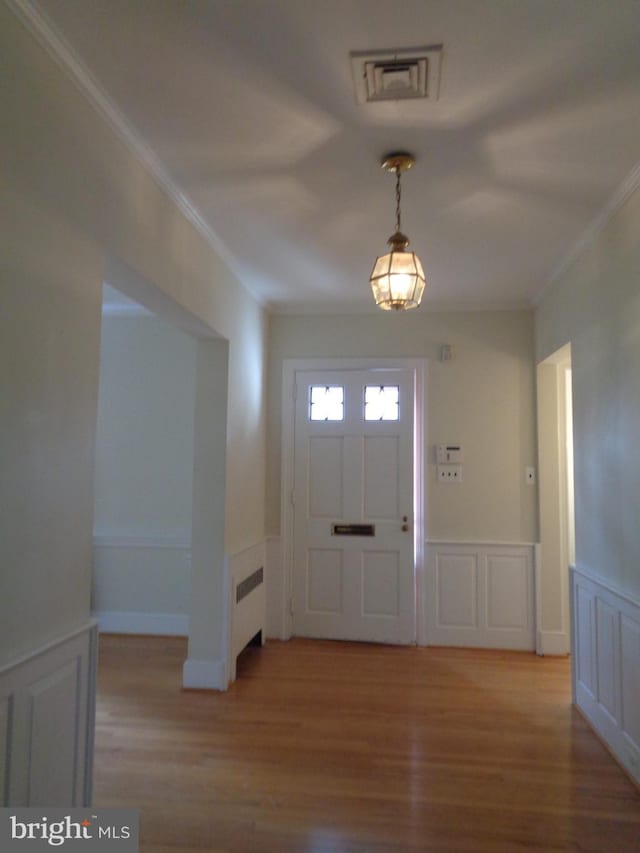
x: 449, y: 473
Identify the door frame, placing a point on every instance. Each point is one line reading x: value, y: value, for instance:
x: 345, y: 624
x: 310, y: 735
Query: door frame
x: 291, y: 367
x: 554, y: 635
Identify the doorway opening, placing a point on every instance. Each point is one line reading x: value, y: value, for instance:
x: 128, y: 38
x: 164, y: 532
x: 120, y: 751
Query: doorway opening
x: 160, y: 486
x: 143, y: 480
x: 556, y: 502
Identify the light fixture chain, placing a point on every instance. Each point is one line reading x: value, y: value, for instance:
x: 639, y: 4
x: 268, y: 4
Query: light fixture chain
x: 398, y: 195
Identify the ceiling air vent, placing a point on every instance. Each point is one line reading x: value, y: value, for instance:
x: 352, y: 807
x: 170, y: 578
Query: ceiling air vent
x: 397, y: 75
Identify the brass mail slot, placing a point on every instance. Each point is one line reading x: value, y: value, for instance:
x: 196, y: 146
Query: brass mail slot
x: 353, y: 530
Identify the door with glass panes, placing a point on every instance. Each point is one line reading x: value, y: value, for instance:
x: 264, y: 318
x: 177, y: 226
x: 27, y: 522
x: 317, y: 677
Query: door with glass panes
x: 353, y: 560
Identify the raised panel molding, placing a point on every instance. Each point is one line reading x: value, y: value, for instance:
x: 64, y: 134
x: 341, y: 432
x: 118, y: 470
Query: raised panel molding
x: 607, y: 664
x: 6, y: 715
x: 508, y: 592
x: 585, y: 639
x: 456, y: 588
x: 47, y: 716
x: 630, y: 678
x: 607, y: 658
x: 480, y: 595
x: 53, y: 735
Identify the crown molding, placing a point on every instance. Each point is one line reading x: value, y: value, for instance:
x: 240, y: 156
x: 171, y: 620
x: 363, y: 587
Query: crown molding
x: 52, y: 40
x: 332, y: 308
x: 629, y: 185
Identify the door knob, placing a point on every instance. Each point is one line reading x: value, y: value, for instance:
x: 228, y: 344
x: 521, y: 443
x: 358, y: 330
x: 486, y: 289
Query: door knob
x: 405, y: 526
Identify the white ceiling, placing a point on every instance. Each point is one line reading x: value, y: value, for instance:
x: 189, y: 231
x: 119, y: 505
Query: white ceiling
x: 250, y: 107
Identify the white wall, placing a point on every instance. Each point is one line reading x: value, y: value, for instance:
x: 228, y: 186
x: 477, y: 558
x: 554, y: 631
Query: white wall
x: 595, y: 306
x: 482, y: 399
x: 144, y: 473
x: 74, y: 198
x: 144, y: 438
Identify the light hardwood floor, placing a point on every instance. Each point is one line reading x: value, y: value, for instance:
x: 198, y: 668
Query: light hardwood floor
x: 323, y: 746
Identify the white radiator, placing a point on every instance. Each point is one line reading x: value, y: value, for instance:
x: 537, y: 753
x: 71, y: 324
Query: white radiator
x: 248, y: 602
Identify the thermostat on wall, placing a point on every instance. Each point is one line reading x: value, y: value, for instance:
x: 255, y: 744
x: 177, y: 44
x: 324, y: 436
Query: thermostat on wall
x: 449, y: 454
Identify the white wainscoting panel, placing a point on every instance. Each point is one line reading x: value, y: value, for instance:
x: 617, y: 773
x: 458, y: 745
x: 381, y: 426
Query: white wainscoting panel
x: 47, y: 716
x: 480, y: 595
x: 607, y: 664
x: 6, y: 713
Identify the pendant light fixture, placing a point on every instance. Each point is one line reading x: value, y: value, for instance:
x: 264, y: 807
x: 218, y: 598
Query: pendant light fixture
x: 397, y: 280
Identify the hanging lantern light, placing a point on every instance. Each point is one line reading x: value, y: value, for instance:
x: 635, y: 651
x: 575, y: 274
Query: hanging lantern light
x: 397, y: 280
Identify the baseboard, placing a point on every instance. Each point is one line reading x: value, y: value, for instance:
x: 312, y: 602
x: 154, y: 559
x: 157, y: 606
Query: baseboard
x: 606, y: 665
x: 129, y: 622
x: 204, y: 675
x: 552, y: 643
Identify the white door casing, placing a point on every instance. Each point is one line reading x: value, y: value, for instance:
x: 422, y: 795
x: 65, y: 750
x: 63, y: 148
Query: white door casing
x: 355, y: 470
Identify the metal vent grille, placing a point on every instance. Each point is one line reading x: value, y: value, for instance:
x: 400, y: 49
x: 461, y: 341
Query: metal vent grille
x: 249, y: 584
x: 397, y: 75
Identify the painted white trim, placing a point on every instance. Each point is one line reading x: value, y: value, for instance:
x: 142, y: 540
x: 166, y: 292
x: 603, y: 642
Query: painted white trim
x: 204, y: 675
x: 605, y: 666
x: 132, y: 622
x: 420, y: 445
x: 176, y: 541
x: 92, y: 692
x: 52, y: 40
x: 552, y: 643
x: 331, y: 308
x: 274, y: 568
x: 482, y: 543
x: 537, y: 579
x: 607, y: 586
x: 49, y: 646
x: 419, y: 366
x: 629, y: 185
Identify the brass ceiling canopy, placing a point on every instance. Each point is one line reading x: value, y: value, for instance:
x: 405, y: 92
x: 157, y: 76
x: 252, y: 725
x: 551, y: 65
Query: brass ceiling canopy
x: 398, y: 161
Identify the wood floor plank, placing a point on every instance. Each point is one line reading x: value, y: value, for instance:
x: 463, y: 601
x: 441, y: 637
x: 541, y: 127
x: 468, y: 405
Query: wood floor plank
x: 323, y: 746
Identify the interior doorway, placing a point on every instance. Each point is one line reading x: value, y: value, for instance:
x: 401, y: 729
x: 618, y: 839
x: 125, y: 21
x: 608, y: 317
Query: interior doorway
x: 143, y: 481
x: 201, y: 533
x: 556, y: 491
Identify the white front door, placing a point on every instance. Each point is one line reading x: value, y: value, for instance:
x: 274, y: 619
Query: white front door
x: 353, y: 551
